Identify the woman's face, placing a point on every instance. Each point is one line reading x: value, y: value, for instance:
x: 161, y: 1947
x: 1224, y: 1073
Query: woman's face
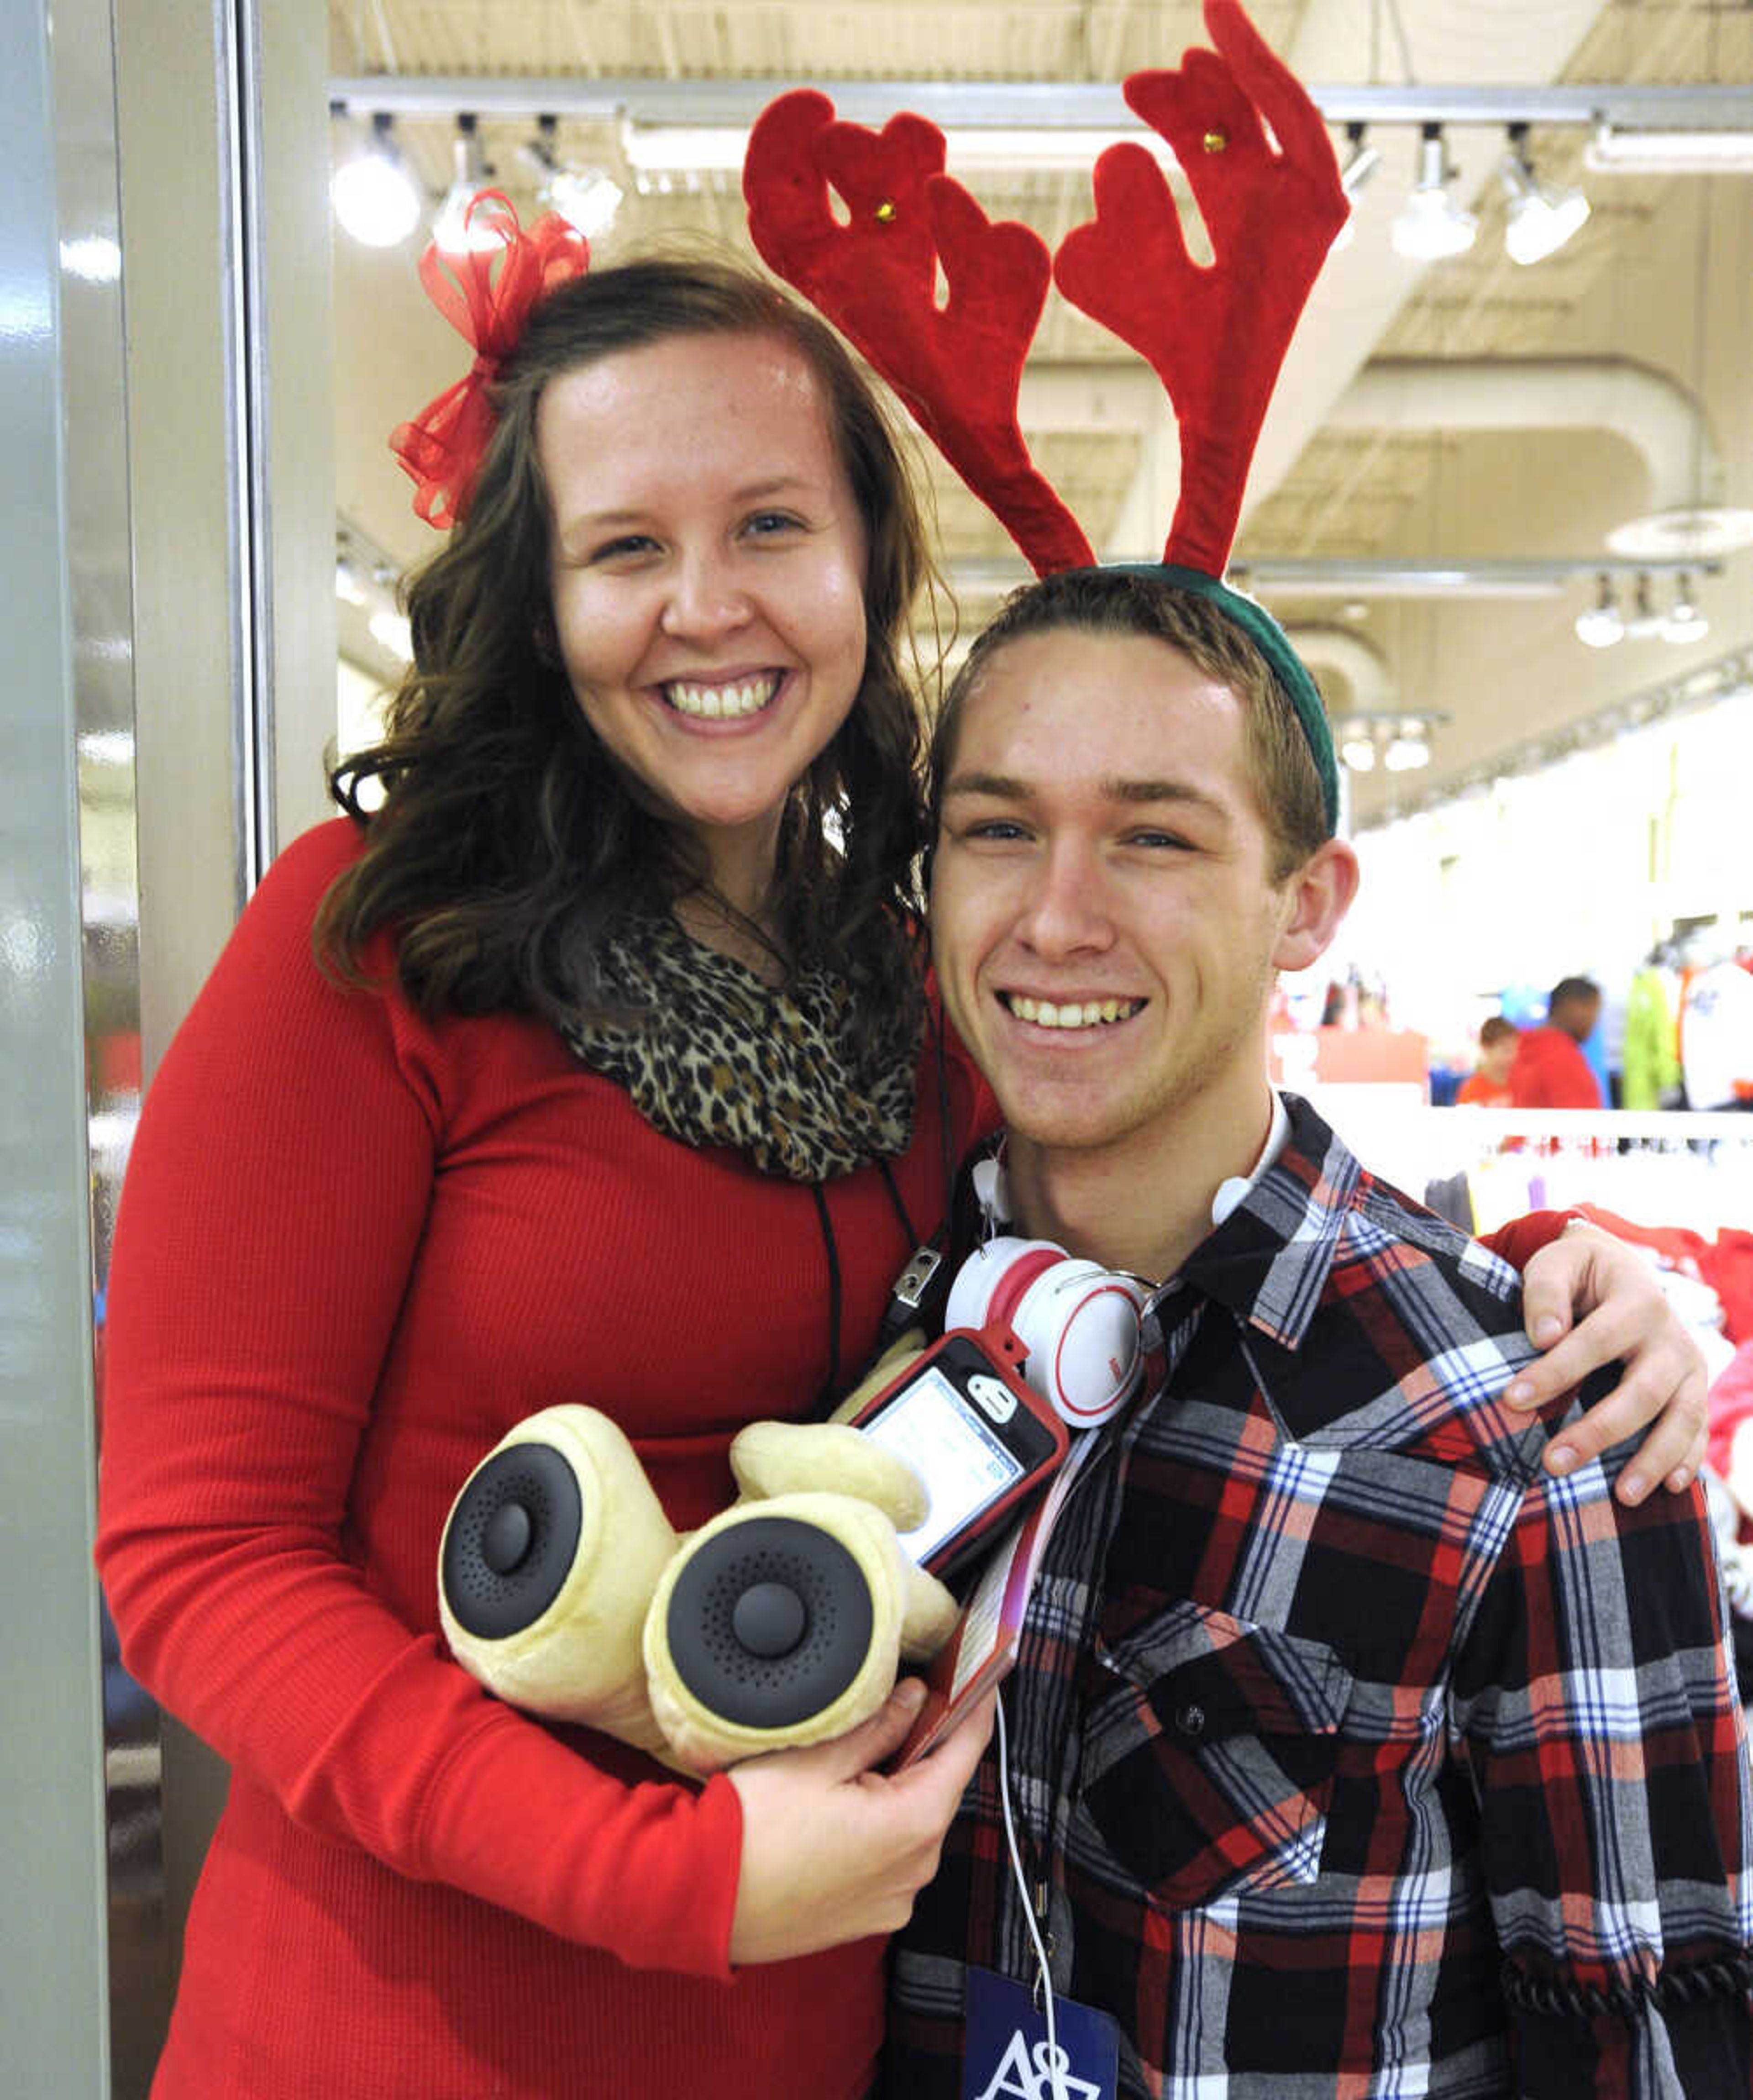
x: 708, y: 578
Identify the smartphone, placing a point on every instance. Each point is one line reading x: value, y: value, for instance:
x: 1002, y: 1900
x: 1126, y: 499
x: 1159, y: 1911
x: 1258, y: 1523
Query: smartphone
x: 981, y: 1439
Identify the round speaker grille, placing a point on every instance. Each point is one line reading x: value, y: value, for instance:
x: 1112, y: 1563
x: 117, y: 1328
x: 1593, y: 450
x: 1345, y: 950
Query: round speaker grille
x: 511, y: 1541
x: 733, y: 1681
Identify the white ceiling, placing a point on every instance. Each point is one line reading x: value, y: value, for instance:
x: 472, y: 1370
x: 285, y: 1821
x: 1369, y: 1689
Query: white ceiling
x: 1361, y: 458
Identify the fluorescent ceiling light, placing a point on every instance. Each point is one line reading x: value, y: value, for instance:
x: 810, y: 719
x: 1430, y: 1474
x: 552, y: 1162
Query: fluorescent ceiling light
x: 1406, y: 753
x: 1669, y: 152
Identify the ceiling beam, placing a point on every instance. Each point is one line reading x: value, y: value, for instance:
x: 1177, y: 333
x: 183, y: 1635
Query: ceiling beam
x: 1044, y: 105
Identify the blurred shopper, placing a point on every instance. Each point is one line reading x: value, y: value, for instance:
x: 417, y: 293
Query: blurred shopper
x: 1488, y: 1086
x: 1550, y: 1071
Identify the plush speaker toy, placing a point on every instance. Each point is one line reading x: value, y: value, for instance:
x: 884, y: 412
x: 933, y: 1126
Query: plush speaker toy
x: 786, y: 1619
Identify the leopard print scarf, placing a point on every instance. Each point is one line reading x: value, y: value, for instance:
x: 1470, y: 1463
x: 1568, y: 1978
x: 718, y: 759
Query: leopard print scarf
x: 721, y: 1058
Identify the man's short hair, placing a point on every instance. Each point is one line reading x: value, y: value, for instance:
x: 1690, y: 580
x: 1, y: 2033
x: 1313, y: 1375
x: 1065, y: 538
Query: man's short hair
x: 1573, y: 991
x: 1282, y: 771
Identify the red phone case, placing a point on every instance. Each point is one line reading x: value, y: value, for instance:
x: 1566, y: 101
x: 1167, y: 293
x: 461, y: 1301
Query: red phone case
x: 1005, y: 1352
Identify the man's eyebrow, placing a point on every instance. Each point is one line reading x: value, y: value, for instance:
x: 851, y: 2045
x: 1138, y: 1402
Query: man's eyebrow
x: 1005, y: 787
x: 1000, y: 786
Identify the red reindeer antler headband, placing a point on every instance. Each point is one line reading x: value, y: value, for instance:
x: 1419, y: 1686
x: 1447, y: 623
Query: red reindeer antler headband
x: 1216, y: 333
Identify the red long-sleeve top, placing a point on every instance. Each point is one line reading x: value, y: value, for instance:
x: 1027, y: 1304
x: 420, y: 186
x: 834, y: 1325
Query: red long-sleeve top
x: 354, y: 1247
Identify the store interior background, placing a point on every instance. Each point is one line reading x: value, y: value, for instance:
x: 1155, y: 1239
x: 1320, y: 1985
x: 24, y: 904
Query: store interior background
x: 1452, y: 460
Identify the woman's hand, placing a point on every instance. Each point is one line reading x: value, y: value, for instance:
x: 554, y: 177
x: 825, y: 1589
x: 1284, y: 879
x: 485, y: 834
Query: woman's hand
x: 834, y: 1850
x: 1624, y: 1319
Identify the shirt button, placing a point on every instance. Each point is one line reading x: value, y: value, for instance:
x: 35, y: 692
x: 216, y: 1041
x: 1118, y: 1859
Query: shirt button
x: 1191, y: 1720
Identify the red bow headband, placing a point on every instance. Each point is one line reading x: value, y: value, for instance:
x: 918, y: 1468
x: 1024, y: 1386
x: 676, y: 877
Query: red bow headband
x: 487, y: 296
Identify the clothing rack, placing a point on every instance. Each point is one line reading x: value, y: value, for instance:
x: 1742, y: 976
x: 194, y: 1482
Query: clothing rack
x: 1657, y: 1168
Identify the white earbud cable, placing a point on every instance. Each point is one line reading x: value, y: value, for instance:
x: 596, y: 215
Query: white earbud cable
x: 1055, y: 2069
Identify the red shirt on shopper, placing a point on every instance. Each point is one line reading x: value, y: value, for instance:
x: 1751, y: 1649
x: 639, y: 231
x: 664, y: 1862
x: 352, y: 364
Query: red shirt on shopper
x: 1550, y: 1071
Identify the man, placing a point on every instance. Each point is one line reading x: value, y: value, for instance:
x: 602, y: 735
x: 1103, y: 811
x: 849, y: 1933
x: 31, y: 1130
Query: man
x: 1550, y: 1071
x: 1349, y: 1751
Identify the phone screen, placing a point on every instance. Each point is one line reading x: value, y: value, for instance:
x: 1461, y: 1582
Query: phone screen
x: 963, y: 1465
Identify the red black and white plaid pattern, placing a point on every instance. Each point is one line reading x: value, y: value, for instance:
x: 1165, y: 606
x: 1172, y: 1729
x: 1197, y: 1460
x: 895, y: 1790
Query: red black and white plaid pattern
x: 1351, y: 1754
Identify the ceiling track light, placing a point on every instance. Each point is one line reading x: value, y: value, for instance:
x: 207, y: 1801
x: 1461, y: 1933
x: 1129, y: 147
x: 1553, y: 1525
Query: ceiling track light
x: 1538, y: 221
x: 1600, y: 625
x: 1645, y: 623
x: 1431, y: 226
x: 1684, y: 622
x: 1361, y: 159
x: 452, y: 230
x: 1397, y: 742
x: 587, y: 198
x: 374, y: 196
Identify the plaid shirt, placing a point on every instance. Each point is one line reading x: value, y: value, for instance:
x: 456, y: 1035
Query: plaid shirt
x: 1351, y: 1754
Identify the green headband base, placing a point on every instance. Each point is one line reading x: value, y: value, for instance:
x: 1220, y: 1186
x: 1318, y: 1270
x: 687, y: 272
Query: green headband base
x: 1292, y: 674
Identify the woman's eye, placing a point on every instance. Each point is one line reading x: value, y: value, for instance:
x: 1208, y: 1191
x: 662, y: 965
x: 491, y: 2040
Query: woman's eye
x: 629, y: 543
x: 765, y: 524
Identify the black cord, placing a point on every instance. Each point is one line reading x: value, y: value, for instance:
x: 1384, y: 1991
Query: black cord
x: 824, y: 1398
x: 898, y: 1203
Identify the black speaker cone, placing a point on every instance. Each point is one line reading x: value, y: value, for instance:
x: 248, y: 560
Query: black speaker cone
x: 769, y: 1621
x: 511, y: 1541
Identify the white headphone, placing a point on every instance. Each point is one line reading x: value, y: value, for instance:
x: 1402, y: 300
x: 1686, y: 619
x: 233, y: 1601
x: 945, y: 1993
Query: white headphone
x: 1078, y: 1321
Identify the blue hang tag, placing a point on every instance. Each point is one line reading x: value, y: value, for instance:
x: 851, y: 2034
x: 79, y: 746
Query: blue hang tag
x: 1006, y: 2055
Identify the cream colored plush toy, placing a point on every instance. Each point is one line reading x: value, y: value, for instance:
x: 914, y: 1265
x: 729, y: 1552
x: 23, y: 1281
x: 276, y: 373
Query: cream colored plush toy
x: 783, y: 1621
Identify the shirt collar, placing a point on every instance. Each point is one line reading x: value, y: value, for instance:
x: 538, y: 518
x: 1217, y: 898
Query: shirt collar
x: 1230, y: 1192
x: 1275, y: 1230
x: 1269, y: 1256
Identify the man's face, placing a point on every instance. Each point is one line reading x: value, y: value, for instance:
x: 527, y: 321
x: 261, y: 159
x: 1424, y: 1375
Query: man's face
x: 1579, y: 1016
x: 1104, y: 918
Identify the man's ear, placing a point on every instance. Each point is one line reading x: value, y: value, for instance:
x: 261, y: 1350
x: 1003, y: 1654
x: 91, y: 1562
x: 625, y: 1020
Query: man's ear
x: 1320, y: 894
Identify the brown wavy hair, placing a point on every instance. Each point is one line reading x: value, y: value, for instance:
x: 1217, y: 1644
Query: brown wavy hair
x: 507, y: 841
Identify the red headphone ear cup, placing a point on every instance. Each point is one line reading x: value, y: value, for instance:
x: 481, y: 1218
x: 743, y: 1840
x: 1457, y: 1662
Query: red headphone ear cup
x: 993, y: 1277
x: 1079, y: 1323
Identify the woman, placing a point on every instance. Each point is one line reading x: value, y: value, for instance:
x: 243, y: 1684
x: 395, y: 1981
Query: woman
x: 583, y: 1069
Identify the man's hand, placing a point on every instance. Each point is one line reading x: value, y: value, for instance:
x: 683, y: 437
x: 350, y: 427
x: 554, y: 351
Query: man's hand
x: 1623, y: 1318
x: 834, y: 1850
